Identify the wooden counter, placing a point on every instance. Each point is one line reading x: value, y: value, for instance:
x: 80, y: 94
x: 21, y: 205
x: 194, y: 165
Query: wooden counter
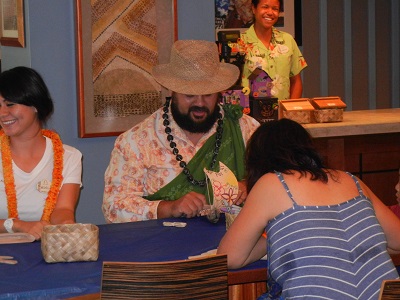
x: 360, y: 122
x: 367, y: 144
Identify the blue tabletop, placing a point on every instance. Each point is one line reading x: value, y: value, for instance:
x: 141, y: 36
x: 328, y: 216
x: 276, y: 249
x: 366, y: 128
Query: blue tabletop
x: 33, y: 278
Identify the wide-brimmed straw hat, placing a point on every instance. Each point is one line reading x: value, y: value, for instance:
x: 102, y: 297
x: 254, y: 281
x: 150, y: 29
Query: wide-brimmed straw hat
x: 195, y: 69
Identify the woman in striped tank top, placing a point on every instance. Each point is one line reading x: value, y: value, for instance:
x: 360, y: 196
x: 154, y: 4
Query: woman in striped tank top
x: 328, y: 235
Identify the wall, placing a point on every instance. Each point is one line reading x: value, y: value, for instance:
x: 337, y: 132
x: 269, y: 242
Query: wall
x: 196, y: 19
x: 352, y: 49
x: 349, y: 45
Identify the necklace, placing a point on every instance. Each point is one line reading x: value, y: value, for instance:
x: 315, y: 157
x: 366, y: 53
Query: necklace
x: 9, y: 182
x: 175, y: 150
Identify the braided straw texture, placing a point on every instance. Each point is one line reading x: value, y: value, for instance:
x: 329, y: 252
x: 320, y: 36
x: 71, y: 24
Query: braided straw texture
x: 300, y: 116
x: 202, y: 278
x: 328, y: 115
x: 70, y: 242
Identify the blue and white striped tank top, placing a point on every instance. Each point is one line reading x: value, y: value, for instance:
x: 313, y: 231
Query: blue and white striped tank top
x: 328, y: 252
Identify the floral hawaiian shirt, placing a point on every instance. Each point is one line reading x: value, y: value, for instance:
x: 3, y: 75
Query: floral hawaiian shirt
x: 280, y: 61
x: 142, y: 162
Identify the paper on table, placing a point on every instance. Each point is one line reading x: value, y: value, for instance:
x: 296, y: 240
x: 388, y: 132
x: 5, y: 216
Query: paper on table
x: 208, y: 253
x: 8, y: 260
x: 14, y: 238
x: 174, y: 224
x: 214, y: 252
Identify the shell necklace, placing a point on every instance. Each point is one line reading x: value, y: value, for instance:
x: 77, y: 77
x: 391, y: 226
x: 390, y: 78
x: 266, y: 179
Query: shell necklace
x: 175, y: 150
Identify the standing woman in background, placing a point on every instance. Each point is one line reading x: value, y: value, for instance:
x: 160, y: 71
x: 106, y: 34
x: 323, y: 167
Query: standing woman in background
x: 40, y: 178
x: 274, y: 51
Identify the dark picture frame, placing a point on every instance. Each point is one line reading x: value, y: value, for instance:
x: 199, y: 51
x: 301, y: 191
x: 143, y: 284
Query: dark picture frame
x: 12, y: 23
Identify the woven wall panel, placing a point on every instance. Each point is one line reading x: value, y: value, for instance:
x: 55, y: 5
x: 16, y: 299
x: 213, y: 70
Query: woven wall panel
x: 124, y: 50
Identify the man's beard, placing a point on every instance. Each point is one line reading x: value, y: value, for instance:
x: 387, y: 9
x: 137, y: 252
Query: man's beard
x: 185, y: 122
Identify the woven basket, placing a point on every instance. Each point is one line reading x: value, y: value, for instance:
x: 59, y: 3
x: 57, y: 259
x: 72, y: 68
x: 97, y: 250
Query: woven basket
x: 300, y: 116
x: 70, y: 242
x: 229, y: 218
x: 328, y: 115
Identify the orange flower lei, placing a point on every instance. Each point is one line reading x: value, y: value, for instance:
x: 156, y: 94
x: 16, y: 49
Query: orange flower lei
x: 57, y: 177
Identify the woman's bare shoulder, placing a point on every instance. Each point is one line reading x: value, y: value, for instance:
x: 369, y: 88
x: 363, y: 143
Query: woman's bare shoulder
x: 267, y: 180
x: 268, y: 192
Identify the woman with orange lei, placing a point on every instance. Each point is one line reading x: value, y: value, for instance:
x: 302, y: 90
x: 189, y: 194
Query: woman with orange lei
x: 40, y: 178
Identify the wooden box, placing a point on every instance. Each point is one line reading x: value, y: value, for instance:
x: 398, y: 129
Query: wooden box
x: 299, y: 110
x: 328, y: 109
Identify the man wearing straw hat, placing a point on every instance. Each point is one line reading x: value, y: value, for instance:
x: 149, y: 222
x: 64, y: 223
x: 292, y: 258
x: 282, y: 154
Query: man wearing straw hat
x: 156, y: 168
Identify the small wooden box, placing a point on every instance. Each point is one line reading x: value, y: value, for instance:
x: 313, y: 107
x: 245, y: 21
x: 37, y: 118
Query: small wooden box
x: 328, y: 109
x: 299, y: 110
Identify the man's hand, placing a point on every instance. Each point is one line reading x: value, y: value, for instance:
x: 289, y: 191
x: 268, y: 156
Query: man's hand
x: 242, y: 193
x: 187, y: 206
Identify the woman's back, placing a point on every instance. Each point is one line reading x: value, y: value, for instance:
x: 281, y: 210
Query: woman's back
x: 335, y: 249
x: 329, y: 236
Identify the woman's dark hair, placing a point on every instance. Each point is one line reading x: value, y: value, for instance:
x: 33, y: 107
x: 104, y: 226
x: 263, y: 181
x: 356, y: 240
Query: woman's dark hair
x: 283, y: 146
x: 255, y: 4
x: 25, y: 86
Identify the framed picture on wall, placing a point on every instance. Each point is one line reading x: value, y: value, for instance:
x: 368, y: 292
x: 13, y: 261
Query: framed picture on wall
x: 118, y: 43
x: 12, y: 23
x: 233, y: 15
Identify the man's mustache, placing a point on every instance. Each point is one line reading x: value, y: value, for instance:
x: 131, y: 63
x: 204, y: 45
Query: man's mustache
x: 199, y: 109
